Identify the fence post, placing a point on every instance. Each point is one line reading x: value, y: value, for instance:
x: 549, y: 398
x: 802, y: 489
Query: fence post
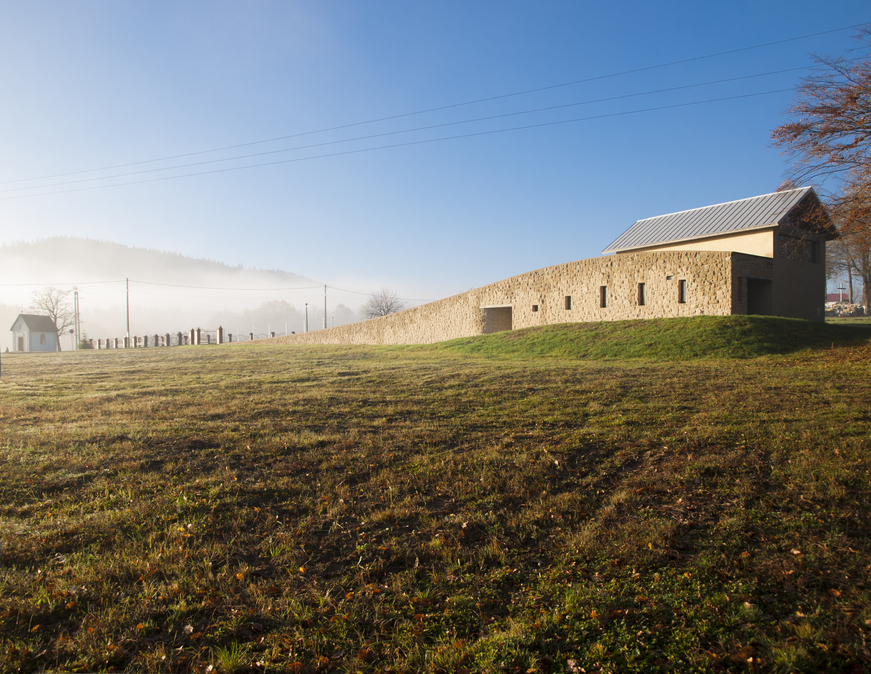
x: 272, y: 334
x: 145, y: 342
x: 219, y: 335
x: 199, y: 337
x: 229, y: 337
x: 252, y: 336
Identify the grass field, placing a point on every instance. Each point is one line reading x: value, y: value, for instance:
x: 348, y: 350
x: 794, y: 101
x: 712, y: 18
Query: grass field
x: 690, y: 495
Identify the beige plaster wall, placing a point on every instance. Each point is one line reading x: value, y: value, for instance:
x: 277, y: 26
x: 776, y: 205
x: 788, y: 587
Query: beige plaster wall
x: 539, y: 298
x: 757, y: 242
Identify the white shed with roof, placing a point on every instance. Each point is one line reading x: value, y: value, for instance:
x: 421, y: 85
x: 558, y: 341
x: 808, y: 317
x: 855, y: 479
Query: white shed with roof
x: 32, y: 332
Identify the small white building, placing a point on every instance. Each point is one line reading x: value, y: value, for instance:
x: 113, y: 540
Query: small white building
x: 31, y: 332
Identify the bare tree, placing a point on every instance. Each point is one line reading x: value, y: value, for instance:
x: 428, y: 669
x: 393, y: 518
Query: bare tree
x: 830, y: 131
x: 382, y: 303
x: 55, y: 304
x: 851, y: 212
x: 830, y: 136
x: 838, y: 264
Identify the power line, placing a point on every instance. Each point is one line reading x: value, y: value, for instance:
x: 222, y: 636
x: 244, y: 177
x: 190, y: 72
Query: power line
x: 320, y: 286
x: 406, y: 144
x: 447, y: 107
x: 416, y: 129
x: 40, y: 285
x: 175, y: 285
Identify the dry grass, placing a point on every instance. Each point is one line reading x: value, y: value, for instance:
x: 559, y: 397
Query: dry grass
x: 360, y: 509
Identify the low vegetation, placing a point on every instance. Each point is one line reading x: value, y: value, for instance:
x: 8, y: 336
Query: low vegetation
x: 535, y: 501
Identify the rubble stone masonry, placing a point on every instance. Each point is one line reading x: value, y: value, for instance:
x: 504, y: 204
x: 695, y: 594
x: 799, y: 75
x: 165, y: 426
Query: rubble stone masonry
x: 675, y: 283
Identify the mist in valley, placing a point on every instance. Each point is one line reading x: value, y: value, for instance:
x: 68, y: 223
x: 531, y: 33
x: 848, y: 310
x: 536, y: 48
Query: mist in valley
x: 167, y: 292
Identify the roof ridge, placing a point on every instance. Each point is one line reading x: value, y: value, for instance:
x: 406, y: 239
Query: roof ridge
x: 725, y: 203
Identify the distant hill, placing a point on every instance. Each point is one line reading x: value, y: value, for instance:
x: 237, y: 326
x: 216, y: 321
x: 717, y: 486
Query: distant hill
x: 61, y: 260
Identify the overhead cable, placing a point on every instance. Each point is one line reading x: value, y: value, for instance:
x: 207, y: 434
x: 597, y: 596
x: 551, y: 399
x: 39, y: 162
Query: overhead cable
x: 405, y: 144
x: 405, y: 131
x: 449, y: 106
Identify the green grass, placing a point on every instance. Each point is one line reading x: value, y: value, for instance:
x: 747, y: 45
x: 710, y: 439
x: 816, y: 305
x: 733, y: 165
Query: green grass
x: 850, y: 320
x: 665, y: 339
x: 316, y: 509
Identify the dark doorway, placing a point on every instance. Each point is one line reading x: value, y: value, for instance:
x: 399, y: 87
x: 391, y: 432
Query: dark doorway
x: 496, y: 319
x: 20, y: 343
x: 759, y: 297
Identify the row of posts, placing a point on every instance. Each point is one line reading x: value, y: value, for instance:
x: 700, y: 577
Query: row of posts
x: 196, y: 336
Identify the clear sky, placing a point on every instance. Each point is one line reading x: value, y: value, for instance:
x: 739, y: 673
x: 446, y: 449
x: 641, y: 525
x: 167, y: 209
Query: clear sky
x: 446, y: 200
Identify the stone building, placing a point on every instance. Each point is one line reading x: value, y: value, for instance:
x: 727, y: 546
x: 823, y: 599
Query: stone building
x: 787, y: 229
x: 763, y: 255
x: 31, y: 332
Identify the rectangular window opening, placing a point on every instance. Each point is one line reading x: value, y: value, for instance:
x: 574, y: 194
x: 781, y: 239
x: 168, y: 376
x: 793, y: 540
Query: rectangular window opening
x: 603, y: 296
x: 682, y: 292
x: 642, y: 299
x: 568, y: 302
x: 535, y: 307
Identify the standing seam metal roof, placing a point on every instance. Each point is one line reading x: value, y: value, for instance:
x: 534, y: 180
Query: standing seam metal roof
x: 766, y: 210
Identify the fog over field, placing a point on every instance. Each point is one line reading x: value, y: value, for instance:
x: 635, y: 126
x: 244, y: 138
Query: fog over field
x: 168, y: 292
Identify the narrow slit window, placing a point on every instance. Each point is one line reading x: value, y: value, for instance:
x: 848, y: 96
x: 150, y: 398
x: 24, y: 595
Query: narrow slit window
x: 568, y: 302
x: 682, y: 291
x: 603, y: 296
x: 642, y: 298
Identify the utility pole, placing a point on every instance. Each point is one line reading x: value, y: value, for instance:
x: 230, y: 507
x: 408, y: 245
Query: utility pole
x: 325, y: 306
x: 306, y: 317
x: 76, y: 318
x: 128, y: 311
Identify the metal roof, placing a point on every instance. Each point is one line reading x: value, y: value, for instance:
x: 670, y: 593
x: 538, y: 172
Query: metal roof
x: 759, y: 212
x: 37, y: 323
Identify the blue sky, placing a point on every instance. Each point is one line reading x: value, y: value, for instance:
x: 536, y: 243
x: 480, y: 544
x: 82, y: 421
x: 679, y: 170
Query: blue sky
x: 92, y: 84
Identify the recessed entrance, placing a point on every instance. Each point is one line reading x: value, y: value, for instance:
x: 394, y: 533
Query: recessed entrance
x: 760, y: 297
x: 495, y: 319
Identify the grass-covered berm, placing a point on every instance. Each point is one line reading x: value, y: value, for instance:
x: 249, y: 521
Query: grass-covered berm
x: 678, y: 495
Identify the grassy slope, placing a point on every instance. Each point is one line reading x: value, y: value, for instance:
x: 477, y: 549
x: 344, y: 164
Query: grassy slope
x: 408, y: 509
x: 665, y: 339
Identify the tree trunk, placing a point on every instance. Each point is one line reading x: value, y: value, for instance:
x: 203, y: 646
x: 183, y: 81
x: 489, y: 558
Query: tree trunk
x: 866, y: 292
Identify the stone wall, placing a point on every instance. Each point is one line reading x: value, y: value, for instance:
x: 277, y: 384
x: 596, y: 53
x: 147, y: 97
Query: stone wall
x: 680, y: 283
